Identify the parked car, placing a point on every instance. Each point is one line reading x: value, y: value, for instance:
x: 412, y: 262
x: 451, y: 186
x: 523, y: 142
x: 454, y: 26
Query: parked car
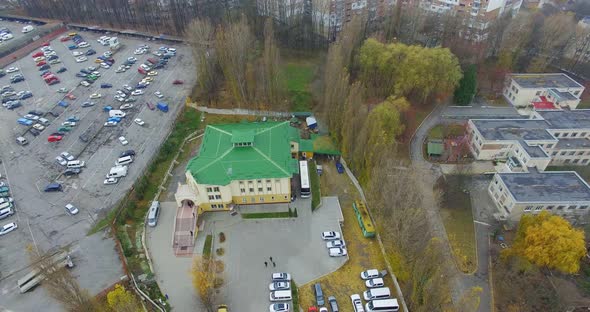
x: 333, y: 304
x: 335, y: 243
x: 177, y: 82
x: 357, y: 304
x: 71, y: 209
x: 54, y: 138
x: 109, y: 181
x: 53, y: 187
x: 280, y: 285
x: 337, y: 252
x: 330, y: 235
x: 127, y: 153
x: 370, y: 274
x: 139, y: 122
x: 123, y: 140
x: 281, y: 277
x: 374, y: 282
x: 106, y: 85
x: 339, y: 167
x: 279, y: 307
x: 7, y: 228
x: 61, y: 70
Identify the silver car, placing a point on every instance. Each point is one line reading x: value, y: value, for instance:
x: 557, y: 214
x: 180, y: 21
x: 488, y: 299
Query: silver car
x: 7, y: 228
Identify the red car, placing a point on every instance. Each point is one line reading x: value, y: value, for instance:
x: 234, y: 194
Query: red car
x: 54, y: 138
x: 312, y: 309
x: 64, y: 38
x: 46, y: 44
x: 37, y: 54
x: 52, y: 82
x: 142, y: 71
x: 41, y: 63
x: 49, y: 77
x: 177, y: 82
x: 150, y: 105
x: 71, y: 96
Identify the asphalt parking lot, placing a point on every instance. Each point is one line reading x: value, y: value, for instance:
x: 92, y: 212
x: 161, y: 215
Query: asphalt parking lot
x: 16, y: 30
x: 41, y: 217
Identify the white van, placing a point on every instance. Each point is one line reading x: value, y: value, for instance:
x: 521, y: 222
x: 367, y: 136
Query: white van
x: 377, y: 293
x: 280, y: 295
x: 154, y: 213
x: 28, y: 28
x: 74, y: 164
x: 116, y: 113
x: 124, y: 161
x: 117, y: 172
x: 387, y: 305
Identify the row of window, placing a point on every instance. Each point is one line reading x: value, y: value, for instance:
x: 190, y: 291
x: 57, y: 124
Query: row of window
x: 575, y: 161
x: 551, y: 207
x: 251, y: 190
x: 567, y: 134
x: 570, y: 153
x: 261, y: 199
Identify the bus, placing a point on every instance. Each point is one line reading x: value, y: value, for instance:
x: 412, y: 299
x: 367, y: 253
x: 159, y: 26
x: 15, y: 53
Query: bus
x: 304, y: 175
x: 363, y: 218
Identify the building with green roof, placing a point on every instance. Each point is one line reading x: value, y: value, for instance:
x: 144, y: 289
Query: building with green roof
x: 242, y: 163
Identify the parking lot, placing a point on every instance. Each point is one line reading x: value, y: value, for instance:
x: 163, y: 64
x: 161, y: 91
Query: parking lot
x: 16, y: 30
x: 41, y: 217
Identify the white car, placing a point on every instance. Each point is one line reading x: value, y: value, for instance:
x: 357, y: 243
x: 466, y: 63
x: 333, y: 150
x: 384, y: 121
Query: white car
x: 39, y: 59
x: 68, y: 123
x: 39, y: 127
x: 105, y: 65
x: 123, y: 140
x: 279, y: 307
x: 71, y: 209
x: 83, y: 44
x: 62, y: 90
x: 370, y: 274
x: 81, y: 59
x: 12, y: 70
x: 145, y: 67
x: 111, y: 181
x: 49, y: 53
x: 374, y: 283
x: 139, y: 121
x: 31, y: 117
x: 85, y: 83
x: 152, y: 73
x: 77, y: 53
x: 7, y: 37
x: 139, y: 51
x: 54, y: 61
x: 128, y: 106
x: 357, y: 304
x: 110, y: 123
x: 330, y: 235
x: 7, y: 228
x: 280, y: 285
x: 337, y: 252
x: 95, y: 96
x: 323, y: 309
x: 280, y: 277
x: 108, y: 54
x: 335, y: 243
x: 120, y: 70
x: 67, y: 156
x: 137, y: 92
x: 131, y: 59
x: 158, y: 94
x: 61, y: 161
x: 44, y: 49
x: 147, y: 79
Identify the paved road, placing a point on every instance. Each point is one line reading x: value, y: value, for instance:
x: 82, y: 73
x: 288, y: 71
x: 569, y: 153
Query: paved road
x: 42, y: 220
x: 462, y: 282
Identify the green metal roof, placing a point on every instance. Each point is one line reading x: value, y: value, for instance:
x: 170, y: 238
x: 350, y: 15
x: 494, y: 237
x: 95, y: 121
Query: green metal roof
x: 219, y: 161
x: 435, y: 147
x: 320, y: 144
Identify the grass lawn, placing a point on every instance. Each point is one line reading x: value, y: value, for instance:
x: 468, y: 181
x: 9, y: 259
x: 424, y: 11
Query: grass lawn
x: 298, y: 76
x: 315, y: 186
x: 583, y: 171
x: 207, y: 246
x: 364, y: 252
x: 446, y: 131
x: 584, y: 104
x: 457, y: 217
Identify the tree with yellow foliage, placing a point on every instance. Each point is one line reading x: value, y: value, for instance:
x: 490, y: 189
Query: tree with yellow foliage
x: 121, y: 300
x: 550, y: 241
x: 203, y: 273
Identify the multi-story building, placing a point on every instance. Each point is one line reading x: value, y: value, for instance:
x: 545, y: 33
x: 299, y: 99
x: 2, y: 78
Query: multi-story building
x: 282, y: 10
x: 243, y: 163
x: 521, y: 90
x: 563, y: 193
x: 549, y: 137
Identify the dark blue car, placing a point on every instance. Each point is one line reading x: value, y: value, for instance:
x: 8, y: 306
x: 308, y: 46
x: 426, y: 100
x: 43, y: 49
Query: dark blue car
x: 83, y: 70
x: 61, y: 70
x: 106, y: 85
x: 44, y: 67
x: 339, y: 167
x: 81, y: 75
x: 90, y: 52
x: 26, y: 96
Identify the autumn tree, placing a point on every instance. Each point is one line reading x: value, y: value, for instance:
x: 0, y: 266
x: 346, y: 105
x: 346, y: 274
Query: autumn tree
x: 234, y: 44
x: 206, y: 279
x: 556, y: 32
x: 579, y: 45
x: 60, y: 284
x: 548, y: 240
x: 515, y: 39
x: 467, y: 86
x: 270, y: 82
x: 353, y: 141
x: 201, y: 36
x: 122, y: 300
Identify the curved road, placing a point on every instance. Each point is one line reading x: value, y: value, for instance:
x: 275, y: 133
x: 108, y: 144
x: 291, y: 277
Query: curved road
x: 462, y: 282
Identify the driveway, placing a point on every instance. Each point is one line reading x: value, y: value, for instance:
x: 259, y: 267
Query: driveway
x: 294, y: 243
x: 462, y: 282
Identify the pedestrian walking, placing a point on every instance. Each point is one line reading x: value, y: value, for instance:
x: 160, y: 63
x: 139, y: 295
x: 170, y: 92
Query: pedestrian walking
x: 274, y: 265
x: 270, y: 259
x: 265, y: 264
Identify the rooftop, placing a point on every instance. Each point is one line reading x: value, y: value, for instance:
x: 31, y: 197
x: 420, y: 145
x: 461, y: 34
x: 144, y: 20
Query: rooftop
x: 576, y: 143
x: 513, y: 129
x: 223, y: 157
x: 548, y: 187
x: 534, y: 151
x: 535, y: 81
x: 319, y: 144
x: 567, y: 119
x: 563, y: 96
x: 543, y: 103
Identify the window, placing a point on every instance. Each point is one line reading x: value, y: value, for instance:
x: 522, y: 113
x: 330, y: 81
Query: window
x: 251, y: 190
x: 577, y: 92
x: 584, y: 161
x: 260, y: 190
x: 217, y: 196
x: 269, y: 189
x: 259, y: 181
x: 557, y: 134
x: 583, y: 207
x: 563, y: 153
x: 253, y: 199
x: 574, y: 134
x: 581, y: 153
x: 213, y: 206
x: 550, y: 207
x: 538, y: 208
x: 216, y: 189
x: 244, y: 200
x: 560, y: 207
x: 571, y: 207
x: 211, y: 197
x: 575, y: 161
x: 583, y: 134
x: 571, y: 153
x: 549, y: 145
x: 565, y: 134
x: 268, y: 181
x: 243, y: 190
x: 262, y: 199
x: 528, y: 208
x: 209, y: 189
x: 554, y: 153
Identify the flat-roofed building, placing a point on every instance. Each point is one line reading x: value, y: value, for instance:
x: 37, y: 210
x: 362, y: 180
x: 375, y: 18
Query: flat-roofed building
x: 521, y: 90
x: 563, y: 193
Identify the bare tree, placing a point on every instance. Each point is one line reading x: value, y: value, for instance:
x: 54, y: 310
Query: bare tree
x: 269, y: 79
x: 201, y: 36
